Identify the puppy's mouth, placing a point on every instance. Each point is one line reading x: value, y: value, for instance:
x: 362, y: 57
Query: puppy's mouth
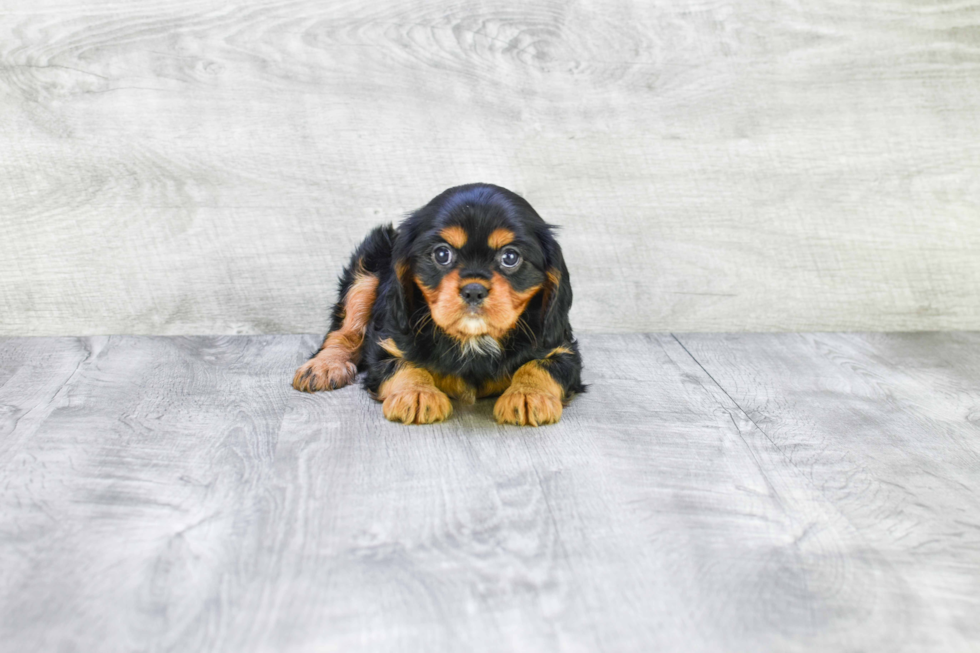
x: 472, y: 331
x: 473, y: 323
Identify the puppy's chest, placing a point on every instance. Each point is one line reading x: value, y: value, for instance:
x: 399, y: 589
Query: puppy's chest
x: 474, y: 372
x: 479, y: 376
x: 469, y: 390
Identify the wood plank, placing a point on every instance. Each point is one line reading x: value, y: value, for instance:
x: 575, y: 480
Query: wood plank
x: 122, y: 514
x: 885, y: 427
x: 190, y: 167
x: 709, y: 493
x: 605, y: 531
x: 33, y: 373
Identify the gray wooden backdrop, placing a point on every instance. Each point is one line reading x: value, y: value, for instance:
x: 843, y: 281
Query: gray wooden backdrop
x: 205, y: 167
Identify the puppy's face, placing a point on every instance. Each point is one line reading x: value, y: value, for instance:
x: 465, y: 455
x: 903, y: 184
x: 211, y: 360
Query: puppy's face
x: 478, y: 267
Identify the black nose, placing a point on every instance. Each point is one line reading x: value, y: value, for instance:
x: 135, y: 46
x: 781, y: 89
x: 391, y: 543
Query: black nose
x: 473, y: 293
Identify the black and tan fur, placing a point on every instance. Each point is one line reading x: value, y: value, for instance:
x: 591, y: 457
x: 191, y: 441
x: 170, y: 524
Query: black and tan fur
x: 403, y: 319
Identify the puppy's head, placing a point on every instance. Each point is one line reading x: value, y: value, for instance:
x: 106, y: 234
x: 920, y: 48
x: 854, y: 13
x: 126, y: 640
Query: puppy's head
x: 478, y: 254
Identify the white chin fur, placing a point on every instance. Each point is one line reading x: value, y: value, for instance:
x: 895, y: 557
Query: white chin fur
x: 473, y: 326
x: 481, y: 346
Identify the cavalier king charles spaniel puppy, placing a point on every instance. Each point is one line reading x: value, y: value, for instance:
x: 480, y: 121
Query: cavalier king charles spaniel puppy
x: 467, y: 298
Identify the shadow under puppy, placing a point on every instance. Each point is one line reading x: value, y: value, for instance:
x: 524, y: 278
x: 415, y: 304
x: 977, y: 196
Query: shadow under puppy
x: 468, y: 298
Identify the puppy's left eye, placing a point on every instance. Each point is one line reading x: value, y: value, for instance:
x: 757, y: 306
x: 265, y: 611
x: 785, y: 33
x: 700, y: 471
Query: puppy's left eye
x: 442, y: 255
x: 510, y: 258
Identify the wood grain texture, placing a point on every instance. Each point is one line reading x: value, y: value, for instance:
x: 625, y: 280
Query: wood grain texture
x: 885, y: 428
x: 136, y: 483
x: 709, y: 493
x: 195, y: 167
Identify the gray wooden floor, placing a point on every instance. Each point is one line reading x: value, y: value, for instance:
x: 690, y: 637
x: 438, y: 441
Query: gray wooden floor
x: 710, y: 492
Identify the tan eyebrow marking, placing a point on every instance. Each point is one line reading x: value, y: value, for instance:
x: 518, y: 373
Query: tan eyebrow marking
x: 454, y: 235
x: 500, y: 237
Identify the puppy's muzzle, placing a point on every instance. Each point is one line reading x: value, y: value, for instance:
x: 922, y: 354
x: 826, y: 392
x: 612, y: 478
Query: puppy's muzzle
x: 473, y: 293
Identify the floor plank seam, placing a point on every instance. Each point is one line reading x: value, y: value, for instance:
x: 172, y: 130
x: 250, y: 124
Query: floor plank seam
x: 776, y: 448
x: 737, y: 405
x: 738, y: 431
x: 772, y: 442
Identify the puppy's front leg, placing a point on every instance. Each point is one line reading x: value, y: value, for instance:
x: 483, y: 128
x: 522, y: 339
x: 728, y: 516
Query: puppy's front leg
x: 335, y: 364
x: 540, y: 387
x: 410, y: 396
x: 533, y: 398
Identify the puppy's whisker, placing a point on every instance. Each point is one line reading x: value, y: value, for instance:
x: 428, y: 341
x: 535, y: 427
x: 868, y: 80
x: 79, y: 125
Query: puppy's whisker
x: 423, y: 322
x: 526, y: 329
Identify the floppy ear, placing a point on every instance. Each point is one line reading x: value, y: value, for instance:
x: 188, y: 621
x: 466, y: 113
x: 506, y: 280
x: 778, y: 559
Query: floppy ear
x: 556, y: 299
x: 401, y: 289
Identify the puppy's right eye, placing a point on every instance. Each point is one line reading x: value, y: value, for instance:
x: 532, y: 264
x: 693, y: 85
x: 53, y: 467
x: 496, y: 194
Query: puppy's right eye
x: 442, y: 255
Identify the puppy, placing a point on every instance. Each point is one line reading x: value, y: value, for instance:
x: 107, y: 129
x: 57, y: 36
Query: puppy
x: 468, y: 298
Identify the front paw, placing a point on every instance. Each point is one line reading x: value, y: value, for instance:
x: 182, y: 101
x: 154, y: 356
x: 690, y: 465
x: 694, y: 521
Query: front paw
x: 417, y: 406
x: 527, y: 407
x: 324, y: 372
